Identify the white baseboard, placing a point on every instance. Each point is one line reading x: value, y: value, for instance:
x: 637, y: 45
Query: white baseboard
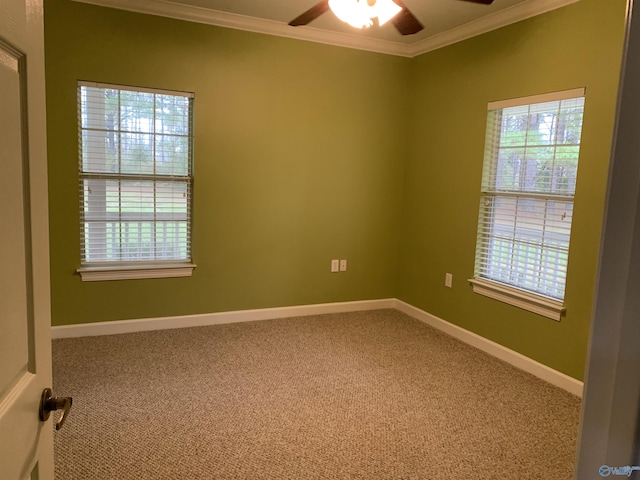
x: 512, y: 357
x: 163, y: 323
x: 495, y: 349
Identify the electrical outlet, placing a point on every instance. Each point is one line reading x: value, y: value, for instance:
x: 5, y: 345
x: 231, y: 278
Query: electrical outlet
x: 335, y: 265
x: 448, y: 280
x: 343, y: 265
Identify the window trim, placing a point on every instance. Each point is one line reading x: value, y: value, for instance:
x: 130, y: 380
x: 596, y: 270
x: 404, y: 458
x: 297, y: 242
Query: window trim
x: 547, y: 307
x: 134, y: 272
x: 533, y: 302
x: 128, y: 270
x: 541, y: 98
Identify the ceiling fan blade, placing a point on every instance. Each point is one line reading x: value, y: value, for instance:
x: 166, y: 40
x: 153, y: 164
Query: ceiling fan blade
x: 484, y: 2
x: 311, y: 14
x: 405, y: 21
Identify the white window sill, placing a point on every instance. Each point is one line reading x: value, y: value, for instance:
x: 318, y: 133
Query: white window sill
x: 544, y: 306
x: 132, y: 272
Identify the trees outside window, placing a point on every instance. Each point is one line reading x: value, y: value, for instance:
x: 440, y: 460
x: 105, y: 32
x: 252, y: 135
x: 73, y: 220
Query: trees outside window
x: 135, y: 175
x: 529, y: 179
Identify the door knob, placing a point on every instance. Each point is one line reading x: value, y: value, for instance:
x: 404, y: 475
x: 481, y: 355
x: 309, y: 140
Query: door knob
x: 49, y: 403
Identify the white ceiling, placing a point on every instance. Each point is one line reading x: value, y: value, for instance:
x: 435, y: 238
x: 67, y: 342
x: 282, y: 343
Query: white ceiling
x: 445, y: 21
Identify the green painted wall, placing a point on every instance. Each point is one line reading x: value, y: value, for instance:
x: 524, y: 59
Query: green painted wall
x: 576, y: 46
x: 307, y: 152
x: 296, y: 163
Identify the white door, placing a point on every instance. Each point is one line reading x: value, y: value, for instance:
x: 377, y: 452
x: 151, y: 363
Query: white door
x: 610, y: 433
x: 26, y: 443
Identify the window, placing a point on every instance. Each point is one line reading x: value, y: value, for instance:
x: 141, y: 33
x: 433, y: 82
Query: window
x: 135, y: 148
x: 526, y: 207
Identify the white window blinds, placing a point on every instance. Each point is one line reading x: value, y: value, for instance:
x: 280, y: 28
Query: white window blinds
x: 529, y: 178
x: 135, y: 174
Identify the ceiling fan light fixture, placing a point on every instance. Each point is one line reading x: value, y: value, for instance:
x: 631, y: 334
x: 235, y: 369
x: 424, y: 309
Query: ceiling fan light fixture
x: 353, y: 12
x: 358, y: 13
x: 386, y: 10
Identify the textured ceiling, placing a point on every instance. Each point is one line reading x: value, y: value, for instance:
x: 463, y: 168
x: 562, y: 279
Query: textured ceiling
x: 445, y: 21
x: 437, y: 16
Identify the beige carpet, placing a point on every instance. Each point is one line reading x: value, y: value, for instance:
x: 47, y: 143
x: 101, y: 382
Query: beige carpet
x: 366, y: 395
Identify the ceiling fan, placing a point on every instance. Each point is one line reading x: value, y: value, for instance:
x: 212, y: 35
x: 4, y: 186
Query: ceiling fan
x: 359, y: 13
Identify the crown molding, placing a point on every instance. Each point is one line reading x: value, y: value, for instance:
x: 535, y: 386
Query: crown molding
x: 499, y: 19
x: 167, y: 8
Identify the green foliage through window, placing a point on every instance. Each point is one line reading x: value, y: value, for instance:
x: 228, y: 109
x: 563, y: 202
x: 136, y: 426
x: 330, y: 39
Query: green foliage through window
x: 135, y: 174
x: 529, y: 180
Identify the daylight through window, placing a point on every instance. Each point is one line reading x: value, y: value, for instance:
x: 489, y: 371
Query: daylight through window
x: 529, y: 179
x: 135, y: 175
